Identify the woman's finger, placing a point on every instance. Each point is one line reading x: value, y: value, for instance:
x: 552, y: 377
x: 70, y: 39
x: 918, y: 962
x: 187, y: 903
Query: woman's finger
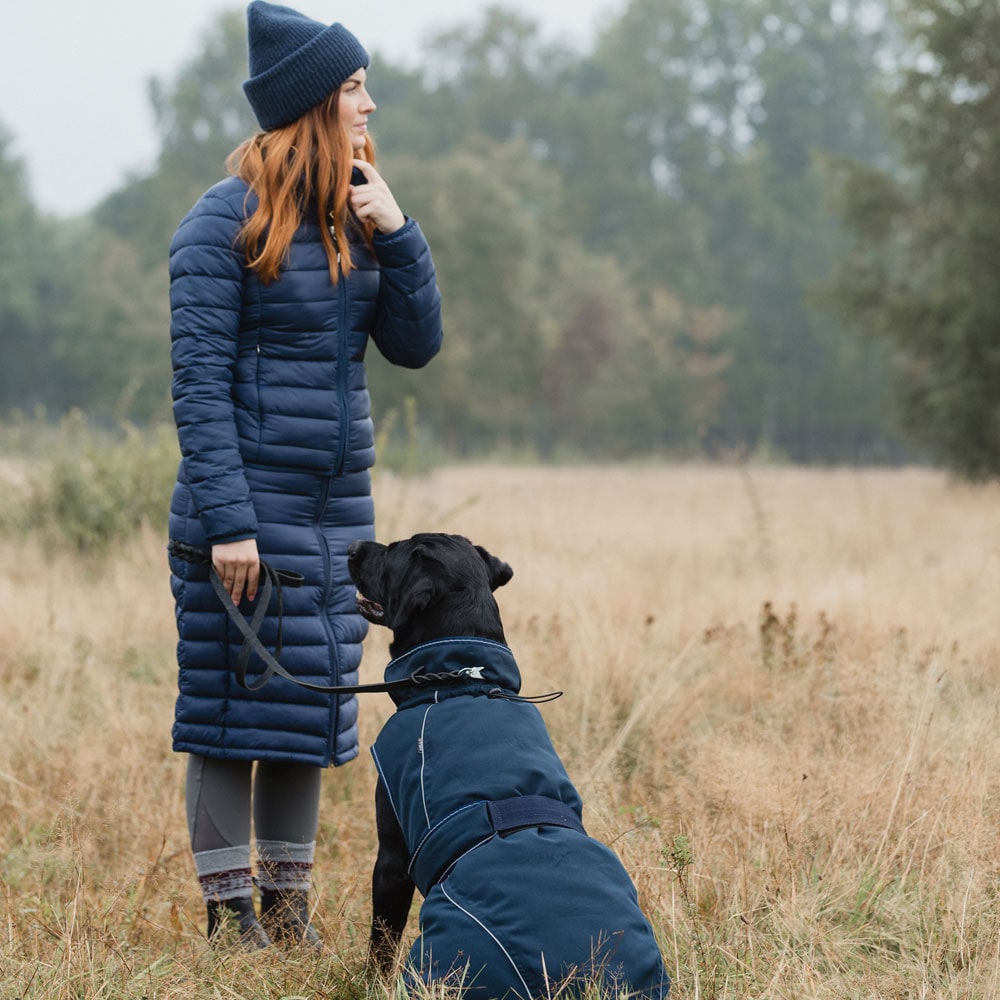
x: 252, y: 581
x: 238, y: 566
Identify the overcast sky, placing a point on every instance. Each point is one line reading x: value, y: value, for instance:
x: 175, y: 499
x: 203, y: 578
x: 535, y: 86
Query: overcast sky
x: 73, y: 72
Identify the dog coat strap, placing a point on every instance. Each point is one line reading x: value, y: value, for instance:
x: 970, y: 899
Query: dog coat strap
x: 474, y: 824
x: 532, y: 810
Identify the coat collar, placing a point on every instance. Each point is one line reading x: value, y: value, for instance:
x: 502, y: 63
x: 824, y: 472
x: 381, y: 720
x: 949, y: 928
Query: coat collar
x: 489, y: 664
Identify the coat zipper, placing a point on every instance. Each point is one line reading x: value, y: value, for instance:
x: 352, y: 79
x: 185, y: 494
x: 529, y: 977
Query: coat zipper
x: 342, y: 362
x: 338, y: 468
x: 324, y: 603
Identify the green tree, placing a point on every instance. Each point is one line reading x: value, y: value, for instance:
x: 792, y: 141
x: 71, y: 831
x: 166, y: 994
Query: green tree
x: 547, y: 345
x: 201, y: 116
x: 922, y: 276
x: 689, y: 145
x: 41, y: 299
x: 603, y: 374
x: 23, y: 342
x: 122, y: 353
x: 731, y: 105
x: 627, y: 239
x: 491, y: 79
x: 115, y: 350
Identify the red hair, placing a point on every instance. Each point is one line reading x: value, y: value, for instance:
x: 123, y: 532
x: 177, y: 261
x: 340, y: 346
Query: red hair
x: 299, y: 168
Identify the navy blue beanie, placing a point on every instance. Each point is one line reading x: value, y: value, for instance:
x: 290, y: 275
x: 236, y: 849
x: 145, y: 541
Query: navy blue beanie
x: 295, y: 62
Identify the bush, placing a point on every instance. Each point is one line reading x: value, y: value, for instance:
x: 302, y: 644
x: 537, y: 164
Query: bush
x: 93, y: 489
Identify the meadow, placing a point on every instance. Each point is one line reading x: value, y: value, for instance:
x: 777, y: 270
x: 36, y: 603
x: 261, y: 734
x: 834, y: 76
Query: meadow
x: 780, y: 705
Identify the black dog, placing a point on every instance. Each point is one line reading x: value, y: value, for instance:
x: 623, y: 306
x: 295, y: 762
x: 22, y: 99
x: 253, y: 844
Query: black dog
x: 473, y: 805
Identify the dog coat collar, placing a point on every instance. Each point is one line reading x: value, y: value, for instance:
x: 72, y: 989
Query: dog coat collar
x: 480, y: 661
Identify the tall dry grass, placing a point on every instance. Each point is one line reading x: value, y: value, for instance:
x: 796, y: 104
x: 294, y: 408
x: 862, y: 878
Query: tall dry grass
x: 781, y: 707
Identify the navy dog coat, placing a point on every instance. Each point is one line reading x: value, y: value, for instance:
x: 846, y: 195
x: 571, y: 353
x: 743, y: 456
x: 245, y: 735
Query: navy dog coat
x: 516, y: 896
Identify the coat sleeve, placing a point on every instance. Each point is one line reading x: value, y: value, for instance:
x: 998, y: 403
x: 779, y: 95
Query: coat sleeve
x: 408, y: 324
x: 206, y: 294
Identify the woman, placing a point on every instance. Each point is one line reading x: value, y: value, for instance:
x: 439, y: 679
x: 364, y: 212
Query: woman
x: 279, y: 276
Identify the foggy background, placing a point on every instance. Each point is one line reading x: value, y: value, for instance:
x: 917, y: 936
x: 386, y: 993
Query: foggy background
x: 722, y: 230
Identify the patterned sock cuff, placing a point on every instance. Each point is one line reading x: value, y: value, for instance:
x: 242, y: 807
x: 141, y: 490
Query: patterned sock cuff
x: 225, y: 873
x: 284, y: 866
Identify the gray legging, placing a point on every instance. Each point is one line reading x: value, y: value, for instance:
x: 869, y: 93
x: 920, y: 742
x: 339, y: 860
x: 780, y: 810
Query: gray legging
x: 219, y: 793
x: 283, y: 799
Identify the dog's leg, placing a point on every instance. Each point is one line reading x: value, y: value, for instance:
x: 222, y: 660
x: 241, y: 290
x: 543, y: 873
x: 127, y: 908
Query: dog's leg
x: 392, y: 887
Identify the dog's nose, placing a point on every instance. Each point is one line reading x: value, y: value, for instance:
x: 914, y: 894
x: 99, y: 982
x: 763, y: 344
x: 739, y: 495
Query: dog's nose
x: 353, y: 547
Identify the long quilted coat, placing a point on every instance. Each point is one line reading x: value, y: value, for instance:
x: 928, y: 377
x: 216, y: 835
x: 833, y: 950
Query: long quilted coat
x: 518, y: 911
x: 273, y: 417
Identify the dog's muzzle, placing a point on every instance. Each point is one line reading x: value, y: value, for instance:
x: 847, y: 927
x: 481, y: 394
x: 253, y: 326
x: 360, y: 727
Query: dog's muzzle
x: 369, y: 610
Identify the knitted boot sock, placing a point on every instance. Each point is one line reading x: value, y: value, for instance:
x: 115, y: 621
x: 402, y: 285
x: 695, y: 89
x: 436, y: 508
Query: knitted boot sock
x: 226, y: 886
x: 284, y: 878
x: 234, y: 921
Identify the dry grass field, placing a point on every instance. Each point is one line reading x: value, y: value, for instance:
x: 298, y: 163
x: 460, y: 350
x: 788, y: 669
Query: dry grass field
x: 781, y: 708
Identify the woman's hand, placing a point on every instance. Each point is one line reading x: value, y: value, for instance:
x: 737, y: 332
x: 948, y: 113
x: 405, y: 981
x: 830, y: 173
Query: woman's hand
x: 373, y: 201
x: 238, y: 566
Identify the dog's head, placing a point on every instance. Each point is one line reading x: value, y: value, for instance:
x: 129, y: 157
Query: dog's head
x: 430, y: 586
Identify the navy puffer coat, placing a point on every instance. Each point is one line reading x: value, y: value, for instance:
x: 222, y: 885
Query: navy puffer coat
x: 273, y: 416
x: 513, y: 912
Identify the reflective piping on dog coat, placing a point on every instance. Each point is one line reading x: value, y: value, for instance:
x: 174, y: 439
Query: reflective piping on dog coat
x: 490, y: 817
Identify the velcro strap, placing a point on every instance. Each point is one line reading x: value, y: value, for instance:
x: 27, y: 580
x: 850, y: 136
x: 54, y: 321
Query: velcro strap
x: 478, y: 822
x: 532, y: 810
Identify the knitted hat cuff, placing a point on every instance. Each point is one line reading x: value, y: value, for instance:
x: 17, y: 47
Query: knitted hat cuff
x: 305, y: 77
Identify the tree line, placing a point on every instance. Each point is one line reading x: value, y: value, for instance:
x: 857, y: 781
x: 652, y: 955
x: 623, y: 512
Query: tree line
x: 728, y: 227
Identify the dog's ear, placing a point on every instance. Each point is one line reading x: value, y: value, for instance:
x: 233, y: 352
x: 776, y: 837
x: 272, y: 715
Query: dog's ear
x: 500, y: 573
x: 412, y: 600
x: 414, y: 589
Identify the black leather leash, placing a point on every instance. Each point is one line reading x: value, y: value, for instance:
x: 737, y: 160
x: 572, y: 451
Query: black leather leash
x: 271, y: 581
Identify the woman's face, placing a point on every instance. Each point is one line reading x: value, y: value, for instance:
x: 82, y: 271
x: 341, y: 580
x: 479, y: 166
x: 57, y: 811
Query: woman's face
x: 354, y: 105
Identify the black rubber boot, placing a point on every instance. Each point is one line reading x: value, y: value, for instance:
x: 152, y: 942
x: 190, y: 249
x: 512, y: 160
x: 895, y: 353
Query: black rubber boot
x: 234, y: 921
x: 284, y: 914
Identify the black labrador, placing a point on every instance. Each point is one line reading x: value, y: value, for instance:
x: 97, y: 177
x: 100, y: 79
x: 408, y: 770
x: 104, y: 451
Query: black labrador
x: 473, y: 805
